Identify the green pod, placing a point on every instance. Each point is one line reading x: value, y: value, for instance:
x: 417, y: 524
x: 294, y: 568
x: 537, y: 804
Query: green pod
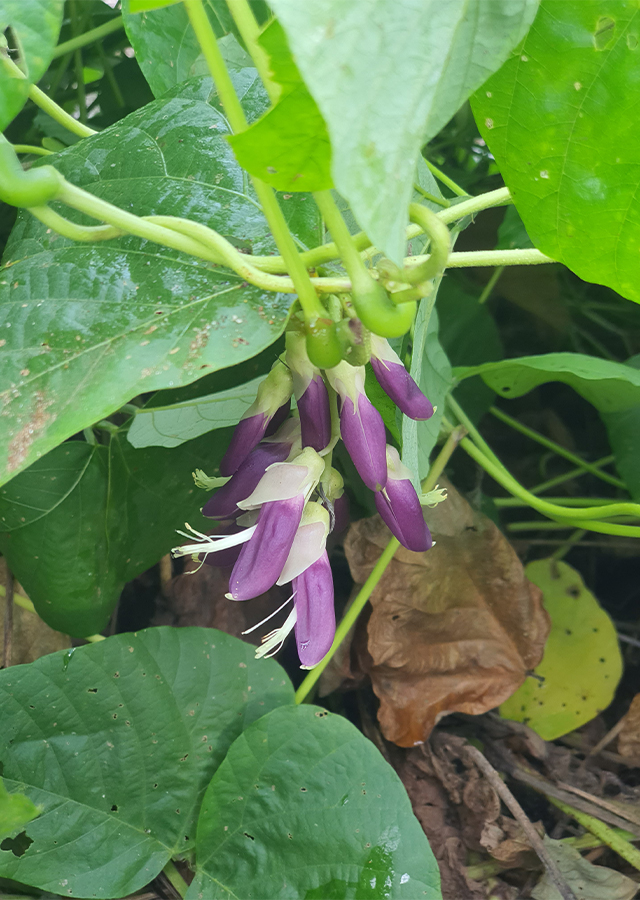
x: 377, y: 311
x: 323, y: 346
x: 19, y: 188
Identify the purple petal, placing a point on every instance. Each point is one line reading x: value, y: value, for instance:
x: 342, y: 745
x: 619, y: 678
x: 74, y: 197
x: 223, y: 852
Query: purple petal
x: 278, y: 418
x: 400, y: 510
x: 402, y: 389
x: 223, y: 504
x: 315, y: 417
x: 365, y: 438
x: 316, y: 619
x: 248, y: 432
x: 262, y: 559
x: 341, y: 514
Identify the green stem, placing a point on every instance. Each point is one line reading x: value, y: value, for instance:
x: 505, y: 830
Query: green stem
x: 77, y: 61
x: 439, y: 244
x: 95, y: 34
x: 249, y: 32
x: 557, y: 448
x: 515, y: 502
x: 351, y: 259
x: 29, y: 148
x: 439, y: 201
x: 473, y: 205
x: 307, y: 296
x: 111, y: 78
x: 538, y: 525
x: 569, y: 544
x: 607, y: 835
x: 465, y: 259
x: 446, y: 180
x: 377, y: 572
x: 489, y: 286
x: 584, y: 518
x: 176, y: 879
x: 47, y: 105
x: 568, y: 476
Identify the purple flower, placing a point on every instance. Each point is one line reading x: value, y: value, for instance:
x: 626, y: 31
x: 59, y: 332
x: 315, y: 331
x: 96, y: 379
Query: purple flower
x: 309, y: 542
x: 361, y: 425
x: 262, y: 559
x: 341, y: 513
x: 315, y: 625
x: 224, y: 503
x: 310, y: 393
x: 399, y: 506
x: 273, y: 394
x: 396, y: 381
x: 281, y: 496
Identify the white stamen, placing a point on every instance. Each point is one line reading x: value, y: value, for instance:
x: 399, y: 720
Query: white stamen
x: 270, y: 616
x: 215, y: 543
x: 273, y: 642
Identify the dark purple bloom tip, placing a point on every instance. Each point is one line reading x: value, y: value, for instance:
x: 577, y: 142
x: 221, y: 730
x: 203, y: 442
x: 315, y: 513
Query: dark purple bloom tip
x: 278, y: 418
x: 341, y: 514
x: 262, y: 559
x: 248, y: 432
x: 224, y: 503
x: 315, y: 416
x: 401, y: 512
x: 402, y: 389
x: 365, y: 439
x: 315, y: 625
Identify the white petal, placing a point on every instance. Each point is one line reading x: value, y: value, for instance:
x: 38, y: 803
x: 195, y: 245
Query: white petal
x: 307, y: 548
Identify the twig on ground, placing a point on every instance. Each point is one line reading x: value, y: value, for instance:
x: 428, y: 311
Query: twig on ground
x: 519, y: 814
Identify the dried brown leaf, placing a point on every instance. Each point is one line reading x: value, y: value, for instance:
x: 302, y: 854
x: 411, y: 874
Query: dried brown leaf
x: 629, y: 737
x: 453, y: 629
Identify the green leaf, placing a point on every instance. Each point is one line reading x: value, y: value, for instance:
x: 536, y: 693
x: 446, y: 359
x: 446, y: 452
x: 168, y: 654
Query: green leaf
x: 172, y: 425
x: 35, y: 28
x: 289, y: 146
x: 581, y: 666
x: 85, y: 327
x: 469, y: 336
x: 83, y: 520
x: 305, y: 806
x: 609, y: 386
x: 556, y: 118
x: 387, y: 75
x: 117, y: 742
x: 137, y: 6
x: 16, y: 811
x: 431, y: 370
x: 165, y: 43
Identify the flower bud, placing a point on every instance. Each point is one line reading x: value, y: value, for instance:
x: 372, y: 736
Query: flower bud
x: 399, y: 506
x: 361, y: 425
x: 273, y: 393
x: 315, y: 625
x: 310, y: 393
x: 396, y: 382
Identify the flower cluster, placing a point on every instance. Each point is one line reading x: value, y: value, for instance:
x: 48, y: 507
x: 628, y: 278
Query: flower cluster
x: 283, y: 497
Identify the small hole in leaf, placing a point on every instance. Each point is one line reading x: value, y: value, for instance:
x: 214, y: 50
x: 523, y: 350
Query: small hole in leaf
x: 17, y: 845
x: 114, y: 808
x: 304, y: 790
x: 573, y: 591
x: 568, y: 631
x: 602, y: 659
x: 250, y: 836
x: 92, y: 690
x: 506, y: 389
x: 393, y: 618
x: 604, y: 32
x: 596, y: 630
x: 632, y: 41
x: 290, y: 836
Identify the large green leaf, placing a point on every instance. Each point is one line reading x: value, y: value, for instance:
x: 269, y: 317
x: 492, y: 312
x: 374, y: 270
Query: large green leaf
x: 305, y: 806
x: 289, y: 146
x: 387, y: 75
x: 559, y: 119
x: 609, y: 386
x: 16, y: 811
x: 84, y: 327
x: 165, y: 43
x: 35, y: 26
x: 117, y: 742
x: 83, y: 520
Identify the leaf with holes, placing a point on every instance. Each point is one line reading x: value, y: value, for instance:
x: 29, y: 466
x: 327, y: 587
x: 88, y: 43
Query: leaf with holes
x: 560, y: 119
x: 289, y: 146
x: 85, y: 327
x: 173, y: 701
x: 581, y: 666
x: 35, y: 27
x: 83, y: 520
x: 387, y: 75
x: 16, y: 811
x: 305, y: 806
